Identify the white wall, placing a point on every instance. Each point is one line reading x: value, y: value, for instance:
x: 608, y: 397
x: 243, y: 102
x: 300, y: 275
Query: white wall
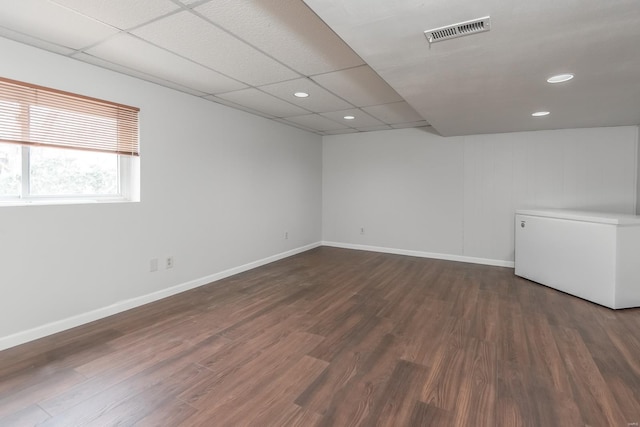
x: 416, y: 191
x: 638, y: 171
x: 402, y: 186
x: 219, y: 189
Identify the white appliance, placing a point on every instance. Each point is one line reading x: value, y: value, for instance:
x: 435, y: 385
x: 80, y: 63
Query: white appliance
x: 595, y: 256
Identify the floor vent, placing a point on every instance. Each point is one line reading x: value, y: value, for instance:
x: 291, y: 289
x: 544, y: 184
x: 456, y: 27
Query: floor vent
x: 458, y: 30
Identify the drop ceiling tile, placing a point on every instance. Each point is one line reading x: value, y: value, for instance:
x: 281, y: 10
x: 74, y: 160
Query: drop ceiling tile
x: 53, y: 23
x: 134, y: 73
x: 238, y: 106
x: 192, y: 37
x: 419, y: 124
x: 394, y: 113
x: 339, y: 131
x: 190, y: 2
x: 285, y: 29
x: 260, y: 101
x: 42, y: 44
x: 374, y: 128
x: 122, y: 14
x: 139, y: 55
x: 316, y: 122
x: 361, y: 86
x: 362, y: 119
x: 296, y: 125
x: 319, y: 100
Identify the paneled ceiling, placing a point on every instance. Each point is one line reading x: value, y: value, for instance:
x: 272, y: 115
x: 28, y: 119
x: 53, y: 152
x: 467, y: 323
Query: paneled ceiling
x: 371, y: 62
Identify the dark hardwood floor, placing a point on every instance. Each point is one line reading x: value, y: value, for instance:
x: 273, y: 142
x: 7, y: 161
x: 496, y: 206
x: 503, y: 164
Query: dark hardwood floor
x: 334, y: 337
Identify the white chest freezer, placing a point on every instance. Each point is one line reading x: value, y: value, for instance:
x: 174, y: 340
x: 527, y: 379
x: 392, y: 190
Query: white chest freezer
x: 595, y: 256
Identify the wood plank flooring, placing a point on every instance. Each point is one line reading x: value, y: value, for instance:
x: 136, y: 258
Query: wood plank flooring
x: 334, y: 337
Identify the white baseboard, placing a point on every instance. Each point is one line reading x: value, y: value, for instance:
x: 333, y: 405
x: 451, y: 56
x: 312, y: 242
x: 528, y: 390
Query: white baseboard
x: 448, y: 257
x: 80, y: 319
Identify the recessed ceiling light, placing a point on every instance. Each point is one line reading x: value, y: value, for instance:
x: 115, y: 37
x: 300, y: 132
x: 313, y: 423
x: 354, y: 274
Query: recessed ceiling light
x: 540, y: 113
x: 301, y: 94
x: 349, y: 117
x: 559, y: 78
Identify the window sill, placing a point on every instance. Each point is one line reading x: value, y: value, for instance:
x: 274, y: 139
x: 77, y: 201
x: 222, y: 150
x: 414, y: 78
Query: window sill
x: 56, y: 201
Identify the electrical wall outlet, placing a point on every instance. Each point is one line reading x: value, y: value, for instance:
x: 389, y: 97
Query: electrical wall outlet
x: 169, y: 263
x: 286, y: 235
x: 153, y: 265
x: 361, y: 230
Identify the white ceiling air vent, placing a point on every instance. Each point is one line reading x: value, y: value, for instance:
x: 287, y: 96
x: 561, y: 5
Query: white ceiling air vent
x: 458, y: 30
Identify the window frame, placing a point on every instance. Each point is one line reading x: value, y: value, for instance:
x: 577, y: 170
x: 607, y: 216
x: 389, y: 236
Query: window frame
x: 125, y: 186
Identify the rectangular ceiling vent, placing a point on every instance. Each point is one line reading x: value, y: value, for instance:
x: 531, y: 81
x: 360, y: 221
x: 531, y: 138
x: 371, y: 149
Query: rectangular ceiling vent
x: 458, y: 30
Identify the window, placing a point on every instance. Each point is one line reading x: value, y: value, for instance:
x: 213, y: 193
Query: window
x: 57, y: 146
